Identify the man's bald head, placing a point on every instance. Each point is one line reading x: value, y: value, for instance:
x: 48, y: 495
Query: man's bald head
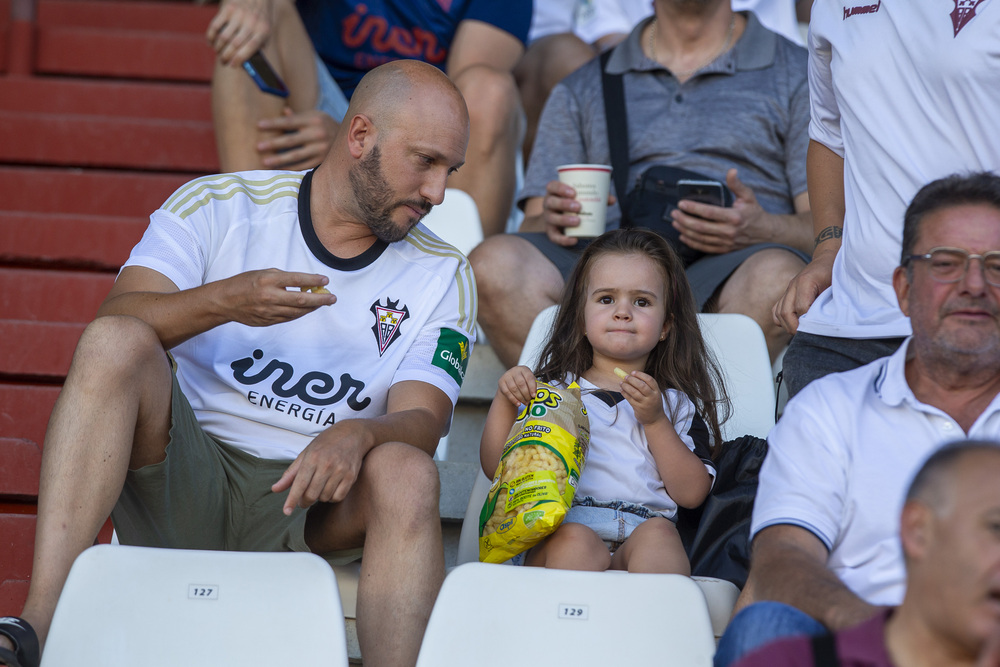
x: 400, y: 84
x: 950, y: 534
x: 933, y: 483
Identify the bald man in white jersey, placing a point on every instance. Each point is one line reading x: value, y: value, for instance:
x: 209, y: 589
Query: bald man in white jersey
x: 333, y: 398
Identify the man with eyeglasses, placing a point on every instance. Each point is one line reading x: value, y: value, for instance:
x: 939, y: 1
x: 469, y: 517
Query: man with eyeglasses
x: 825, y: 553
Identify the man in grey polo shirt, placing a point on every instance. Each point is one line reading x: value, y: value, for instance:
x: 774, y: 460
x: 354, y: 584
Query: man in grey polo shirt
x: 708, y: 90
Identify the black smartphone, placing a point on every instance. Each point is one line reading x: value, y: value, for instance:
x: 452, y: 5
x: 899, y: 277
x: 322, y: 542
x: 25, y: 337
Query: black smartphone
x: 707, y: 192
x: 267, y: 79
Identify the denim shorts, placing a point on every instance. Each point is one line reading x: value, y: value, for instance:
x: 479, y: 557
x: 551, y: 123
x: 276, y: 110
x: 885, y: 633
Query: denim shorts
x: 612, y: 520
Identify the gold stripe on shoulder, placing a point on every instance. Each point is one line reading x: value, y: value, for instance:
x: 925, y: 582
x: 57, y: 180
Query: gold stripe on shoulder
x: 468, y: 300
x: 201, y: 191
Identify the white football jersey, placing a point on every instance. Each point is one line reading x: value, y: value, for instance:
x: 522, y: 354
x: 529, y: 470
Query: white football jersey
x: 404, y: 311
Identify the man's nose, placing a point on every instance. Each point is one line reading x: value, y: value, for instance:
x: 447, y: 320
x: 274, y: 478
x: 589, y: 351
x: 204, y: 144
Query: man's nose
x: 974, y: 280
x: 434, y: 187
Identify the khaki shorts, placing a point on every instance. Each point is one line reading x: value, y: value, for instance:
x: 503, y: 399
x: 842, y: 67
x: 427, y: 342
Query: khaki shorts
x: 208, y: 495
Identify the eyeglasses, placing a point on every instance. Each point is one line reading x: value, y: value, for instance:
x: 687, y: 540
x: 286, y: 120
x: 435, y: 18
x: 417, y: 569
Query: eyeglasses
x: 949, y: 265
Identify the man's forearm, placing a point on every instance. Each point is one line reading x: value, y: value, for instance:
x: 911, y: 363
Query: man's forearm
x: 825, y: 170
x: 794, y: 578
x: 416, y: 413
x: 795, y: 230
x: 175, y: 316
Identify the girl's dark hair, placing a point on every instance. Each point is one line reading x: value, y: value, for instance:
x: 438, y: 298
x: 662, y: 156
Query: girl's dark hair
x: 681, y: 362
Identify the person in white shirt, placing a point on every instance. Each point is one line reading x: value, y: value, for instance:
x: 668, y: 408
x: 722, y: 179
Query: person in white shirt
x: 825, y: 553
x: 901, y: 93
x: 627, y: 332
x: 320, y: 335
x: 948, y: 532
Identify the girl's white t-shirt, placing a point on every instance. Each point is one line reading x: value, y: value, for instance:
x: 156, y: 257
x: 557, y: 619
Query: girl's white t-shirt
x: 619, y: 465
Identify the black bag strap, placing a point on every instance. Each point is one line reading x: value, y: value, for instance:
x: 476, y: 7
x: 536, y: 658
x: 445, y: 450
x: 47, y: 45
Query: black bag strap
x: 614, y: 113
x: 824, y: 649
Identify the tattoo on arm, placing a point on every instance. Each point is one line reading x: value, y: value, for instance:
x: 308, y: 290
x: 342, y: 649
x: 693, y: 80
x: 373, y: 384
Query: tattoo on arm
x: 831, y: 232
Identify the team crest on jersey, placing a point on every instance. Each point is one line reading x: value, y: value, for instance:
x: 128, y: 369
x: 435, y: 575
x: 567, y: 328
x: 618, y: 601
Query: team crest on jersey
x: 965, y: 11
x: 388, y: 319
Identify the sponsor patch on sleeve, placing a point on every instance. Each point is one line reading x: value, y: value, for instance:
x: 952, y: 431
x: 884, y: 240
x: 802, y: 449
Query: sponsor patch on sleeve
x: 452, y: 354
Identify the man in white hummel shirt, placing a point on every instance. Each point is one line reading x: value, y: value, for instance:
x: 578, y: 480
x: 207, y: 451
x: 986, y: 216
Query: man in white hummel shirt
x: 296, y: 419
x: 901, y: 93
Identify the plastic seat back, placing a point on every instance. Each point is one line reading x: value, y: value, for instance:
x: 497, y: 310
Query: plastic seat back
x: 456, y: 220
x: 489, y: 613
x: 143, y: 606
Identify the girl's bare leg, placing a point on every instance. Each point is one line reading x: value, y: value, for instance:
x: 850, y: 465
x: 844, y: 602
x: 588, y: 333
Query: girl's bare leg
x: 654, y: 546
x: 573, y: 546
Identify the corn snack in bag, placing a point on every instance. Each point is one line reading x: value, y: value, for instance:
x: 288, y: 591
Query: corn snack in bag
x: 545, y: 449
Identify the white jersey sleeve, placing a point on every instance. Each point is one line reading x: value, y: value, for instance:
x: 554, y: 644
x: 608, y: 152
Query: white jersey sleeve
x: 440, y: 353
x: 824, y: 116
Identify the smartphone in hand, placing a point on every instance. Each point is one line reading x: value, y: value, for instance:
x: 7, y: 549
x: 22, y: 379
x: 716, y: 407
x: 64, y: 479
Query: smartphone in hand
x: 706, y: 192
x: 266, y: 78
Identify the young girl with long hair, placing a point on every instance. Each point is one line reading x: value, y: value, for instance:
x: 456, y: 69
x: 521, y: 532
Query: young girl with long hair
x: 628, y: 308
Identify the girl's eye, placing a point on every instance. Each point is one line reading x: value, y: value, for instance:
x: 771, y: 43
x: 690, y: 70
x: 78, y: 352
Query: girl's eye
x: 605, y: 299
x: 642, y: 302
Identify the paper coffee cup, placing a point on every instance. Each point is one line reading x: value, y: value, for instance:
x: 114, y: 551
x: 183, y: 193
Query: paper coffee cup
x: 591, y: 182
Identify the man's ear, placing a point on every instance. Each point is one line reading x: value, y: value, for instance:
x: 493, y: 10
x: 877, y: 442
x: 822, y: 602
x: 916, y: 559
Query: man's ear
x: 360, y: 133
x: 901, y: 284
x: 915, y: 528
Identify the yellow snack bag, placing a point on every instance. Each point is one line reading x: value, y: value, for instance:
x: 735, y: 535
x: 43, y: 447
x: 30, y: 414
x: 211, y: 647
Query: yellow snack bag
x: 545, y: 449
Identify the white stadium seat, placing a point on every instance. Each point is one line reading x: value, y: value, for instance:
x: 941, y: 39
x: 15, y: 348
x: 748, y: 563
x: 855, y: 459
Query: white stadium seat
x: 127, y: 606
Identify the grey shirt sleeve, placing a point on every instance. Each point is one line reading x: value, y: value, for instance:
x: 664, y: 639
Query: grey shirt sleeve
x: 559, y: 140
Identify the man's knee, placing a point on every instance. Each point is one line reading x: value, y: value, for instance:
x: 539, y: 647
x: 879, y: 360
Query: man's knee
x: 550, y: 59
x: 403, y: 484
x: 116, y: 343
x: 759, y: 281
x: 492, y: 98
x: 495, y: 261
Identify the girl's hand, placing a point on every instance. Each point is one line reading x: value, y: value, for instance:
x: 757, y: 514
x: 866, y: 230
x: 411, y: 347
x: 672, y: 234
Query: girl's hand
x: 642, y: 393
x: 517, y: 385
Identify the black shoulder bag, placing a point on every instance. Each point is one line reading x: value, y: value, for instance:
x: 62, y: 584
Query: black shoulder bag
x: 654, y: 197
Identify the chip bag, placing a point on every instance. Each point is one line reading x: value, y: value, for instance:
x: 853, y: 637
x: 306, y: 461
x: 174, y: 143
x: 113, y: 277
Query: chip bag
x: 545, y: 449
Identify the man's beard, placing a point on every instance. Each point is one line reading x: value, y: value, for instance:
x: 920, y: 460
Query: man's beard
x: 374, y: 198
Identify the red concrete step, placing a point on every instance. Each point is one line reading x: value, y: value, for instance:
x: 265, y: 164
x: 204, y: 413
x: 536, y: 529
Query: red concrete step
x: 26, y: 410
x: 67, y: 240
x: 107, y: 141
x: 17, y: 547
x: 150, y: 15
x: 39, y: 350
x: 52, y: 296
x: 142, y: 40
x: 20, y: 463
x: 112, y: 98
x: 86, y: 191
x: 4, y: 33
